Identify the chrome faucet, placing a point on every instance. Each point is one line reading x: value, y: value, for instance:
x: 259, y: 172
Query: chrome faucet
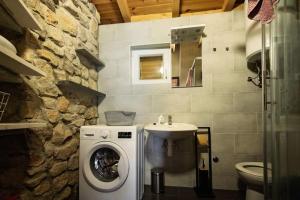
x: 170, y: 119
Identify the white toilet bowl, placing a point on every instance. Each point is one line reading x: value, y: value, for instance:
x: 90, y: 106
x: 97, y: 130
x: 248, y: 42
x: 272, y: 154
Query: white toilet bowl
x: 251, y: 173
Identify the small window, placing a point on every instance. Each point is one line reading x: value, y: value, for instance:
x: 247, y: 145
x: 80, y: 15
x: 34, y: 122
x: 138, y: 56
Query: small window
x: 150, y: 66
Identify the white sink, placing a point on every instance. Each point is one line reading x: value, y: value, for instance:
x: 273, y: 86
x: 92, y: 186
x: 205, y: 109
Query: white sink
x: 174, y: 131
x: 170, y: 133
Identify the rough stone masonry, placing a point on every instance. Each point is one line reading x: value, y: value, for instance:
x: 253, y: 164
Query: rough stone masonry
x: 52, y: 170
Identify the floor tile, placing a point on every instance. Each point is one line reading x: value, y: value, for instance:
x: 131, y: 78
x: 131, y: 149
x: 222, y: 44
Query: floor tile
x: 182, y: 193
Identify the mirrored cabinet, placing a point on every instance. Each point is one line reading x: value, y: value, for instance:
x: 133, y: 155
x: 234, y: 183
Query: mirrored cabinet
x: 186, y: 53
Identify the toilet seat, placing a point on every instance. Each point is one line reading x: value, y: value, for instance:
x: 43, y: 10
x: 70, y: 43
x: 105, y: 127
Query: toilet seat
x: 251, y: 168
x: 252, y: 173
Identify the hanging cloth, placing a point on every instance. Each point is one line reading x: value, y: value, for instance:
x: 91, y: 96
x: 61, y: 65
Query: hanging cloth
x: 261, y: 10
x: 190, y: 77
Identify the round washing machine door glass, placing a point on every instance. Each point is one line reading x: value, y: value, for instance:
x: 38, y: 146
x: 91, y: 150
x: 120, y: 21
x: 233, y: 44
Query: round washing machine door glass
x: 106, y: 167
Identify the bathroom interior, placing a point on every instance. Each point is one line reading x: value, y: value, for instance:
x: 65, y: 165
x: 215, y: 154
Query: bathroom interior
x: 149, y: 99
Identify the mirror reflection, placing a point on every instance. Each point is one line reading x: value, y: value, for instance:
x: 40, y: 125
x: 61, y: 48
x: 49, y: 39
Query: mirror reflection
x: 186, y: 48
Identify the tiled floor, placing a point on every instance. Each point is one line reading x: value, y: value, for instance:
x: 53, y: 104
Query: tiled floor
x: 179, y: 193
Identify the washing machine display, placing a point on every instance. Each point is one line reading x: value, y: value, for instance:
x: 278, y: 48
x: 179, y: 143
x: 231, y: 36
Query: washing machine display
x: 104, y: 164
x: 124, y: 134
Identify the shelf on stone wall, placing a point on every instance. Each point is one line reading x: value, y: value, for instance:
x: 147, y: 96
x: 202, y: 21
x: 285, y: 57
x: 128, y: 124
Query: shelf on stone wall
x: 14, y: 63
x: 20, y: 14
x: 89, y: 60
x: 80, y: 88
x: 21, y: 125
x: 9, y: 76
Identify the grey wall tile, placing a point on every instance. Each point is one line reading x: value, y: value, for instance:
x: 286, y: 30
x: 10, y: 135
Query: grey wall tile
x: 137, y: 103
x: 110, y: 70
x: 237, y: 15
x: 114, y: 50
x: 115, y: 86
x: 249, y: 144
x: 223, y: 143
x: 214, y: 103
x: 232, y: 82
x: 170, y: 103
x: 199, y: 119
x: 152, y: 89
x: 218, y: 63
x: 234, y: 122
x: 248, y: 102
x: 217, y: 22
x: 225, y: 182
x: 186, y: 179
x: 240, y: 63
x: 136, y: 32
x: 107, y: 33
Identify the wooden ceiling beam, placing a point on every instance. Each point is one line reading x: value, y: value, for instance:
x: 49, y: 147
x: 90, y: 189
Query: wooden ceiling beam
x: 228, y: 5
x: 176, y: 8
x: 124, y: 9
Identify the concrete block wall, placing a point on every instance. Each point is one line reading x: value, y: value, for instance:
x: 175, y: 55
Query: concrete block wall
x: 226, y: 102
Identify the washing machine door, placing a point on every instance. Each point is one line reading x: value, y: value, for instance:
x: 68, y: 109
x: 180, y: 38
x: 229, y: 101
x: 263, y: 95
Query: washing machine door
x: 106, y: 167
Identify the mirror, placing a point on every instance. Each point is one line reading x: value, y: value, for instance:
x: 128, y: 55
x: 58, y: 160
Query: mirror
x: 186, y: 50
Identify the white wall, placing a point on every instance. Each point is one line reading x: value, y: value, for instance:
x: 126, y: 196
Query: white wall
x: 226, y: 102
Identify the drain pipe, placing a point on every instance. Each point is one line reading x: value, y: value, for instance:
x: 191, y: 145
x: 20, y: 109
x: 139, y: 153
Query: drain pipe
x: 265, y: 108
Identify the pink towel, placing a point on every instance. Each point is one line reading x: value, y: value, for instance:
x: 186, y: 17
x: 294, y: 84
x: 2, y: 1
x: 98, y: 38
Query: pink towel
x: 261, y: 10
x: 190, y: 77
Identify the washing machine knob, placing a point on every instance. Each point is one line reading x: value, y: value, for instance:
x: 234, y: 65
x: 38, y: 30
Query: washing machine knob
x: 104, y: 136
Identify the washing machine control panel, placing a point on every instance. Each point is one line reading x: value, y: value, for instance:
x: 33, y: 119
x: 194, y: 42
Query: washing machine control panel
x: 124, y: 134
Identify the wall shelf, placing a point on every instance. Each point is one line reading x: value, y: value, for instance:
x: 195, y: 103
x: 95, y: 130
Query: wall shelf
x: 21, y: 14
x: 14, y: 63
x: 80, y: 88
x: 9, y: 77
x: 89, y: 60
x: 21, y: 125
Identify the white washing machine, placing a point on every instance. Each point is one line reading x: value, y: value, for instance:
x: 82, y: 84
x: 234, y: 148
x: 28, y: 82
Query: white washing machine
x: 111, y: 163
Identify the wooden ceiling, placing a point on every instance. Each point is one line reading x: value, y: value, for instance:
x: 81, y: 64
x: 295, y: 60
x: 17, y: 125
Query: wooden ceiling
x: 119, y: 11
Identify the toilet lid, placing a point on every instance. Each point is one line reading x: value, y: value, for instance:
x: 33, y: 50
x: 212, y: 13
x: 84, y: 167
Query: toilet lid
x: 253, y: 168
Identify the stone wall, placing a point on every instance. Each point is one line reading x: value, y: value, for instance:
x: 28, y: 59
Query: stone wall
x: 52, y: 168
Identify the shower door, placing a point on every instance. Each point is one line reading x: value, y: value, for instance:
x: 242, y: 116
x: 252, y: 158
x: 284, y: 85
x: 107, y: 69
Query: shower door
x: 282, y: 105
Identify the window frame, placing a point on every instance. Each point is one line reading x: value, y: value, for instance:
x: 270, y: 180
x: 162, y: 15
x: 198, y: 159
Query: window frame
x: 136, y: 54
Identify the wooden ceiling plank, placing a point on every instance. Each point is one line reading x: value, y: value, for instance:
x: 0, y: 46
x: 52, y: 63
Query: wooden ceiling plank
x: 103, y: 1
x: 202, y: 12
x: 228, y: 5
x: 153, y: 9
x: 176, y: 8
x: 137, y: 18
x: 139, y: 3
x: 199, y: 8
x: 124, y: 8
x: 196, y: 3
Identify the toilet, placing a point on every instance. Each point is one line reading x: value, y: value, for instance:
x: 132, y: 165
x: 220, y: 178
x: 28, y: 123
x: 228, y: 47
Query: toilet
x: 251, y: 173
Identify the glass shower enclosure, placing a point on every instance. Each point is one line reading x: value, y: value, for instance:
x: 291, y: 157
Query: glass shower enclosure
x: 281, y: 103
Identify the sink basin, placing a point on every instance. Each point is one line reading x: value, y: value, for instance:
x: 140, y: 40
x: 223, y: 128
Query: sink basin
x: 174, y: 131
